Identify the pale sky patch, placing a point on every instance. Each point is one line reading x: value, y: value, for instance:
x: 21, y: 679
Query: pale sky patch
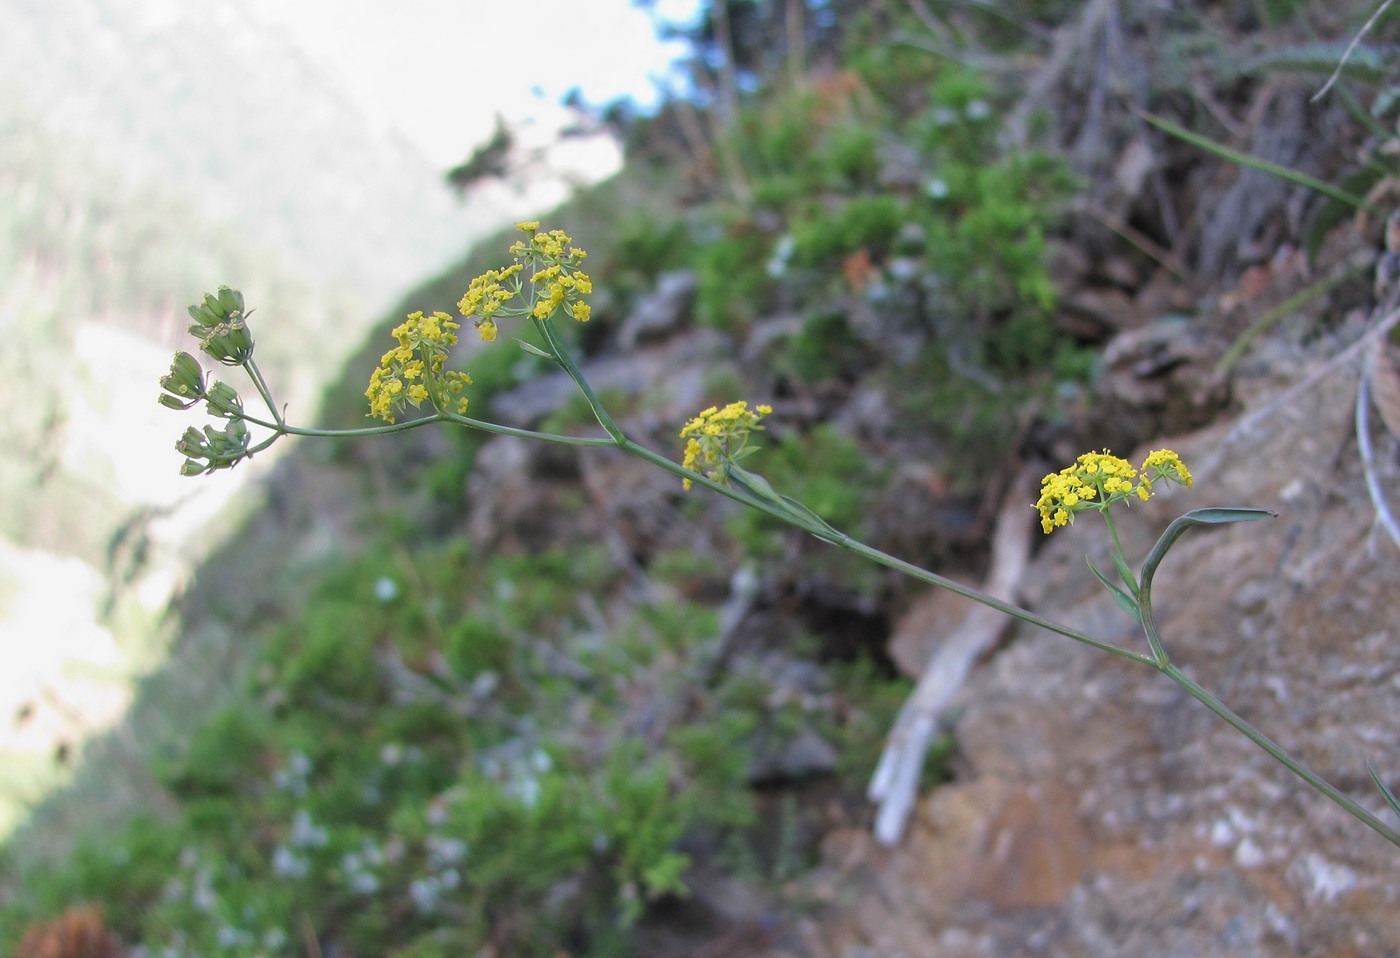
x: 440, y: 72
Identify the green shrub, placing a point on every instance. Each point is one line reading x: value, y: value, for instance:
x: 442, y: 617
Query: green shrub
x: 733, y: 287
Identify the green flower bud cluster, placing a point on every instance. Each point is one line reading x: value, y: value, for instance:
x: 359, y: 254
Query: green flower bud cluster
x: 221, y: 328
x: 210, y: 449
x: 184, y: 384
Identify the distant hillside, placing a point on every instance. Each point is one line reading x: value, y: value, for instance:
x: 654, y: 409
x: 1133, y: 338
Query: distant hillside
x: 208, y: 102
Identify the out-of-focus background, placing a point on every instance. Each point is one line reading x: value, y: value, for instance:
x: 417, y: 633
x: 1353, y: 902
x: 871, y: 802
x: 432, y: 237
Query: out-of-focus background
x: 447, y: 693
x: 153, y: 150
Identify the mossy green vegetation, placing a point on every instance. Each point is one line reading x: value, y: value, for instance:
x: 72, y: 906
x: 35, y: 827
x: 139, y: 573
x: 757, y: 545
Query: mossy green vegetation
x: 433, y: 762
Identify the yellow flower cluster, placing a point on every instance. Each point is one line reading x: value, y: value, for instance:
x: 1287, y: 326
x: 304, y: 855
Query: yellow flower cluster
x: 1165, y: 464
x: 412, y: 372
x: 487, y: 294
x: 554, y: 264
x: 1099, y: 479
x: 563, y: 288
x: 717, y: 437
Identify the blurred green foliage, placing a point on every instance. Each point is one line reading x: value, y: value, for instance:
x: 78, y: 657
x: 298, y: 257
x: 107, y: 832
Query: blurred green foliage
x: 434, y: 760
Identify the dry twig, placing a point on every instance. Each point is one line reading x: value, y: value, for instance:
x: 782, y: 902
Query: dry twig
x: 895, y: 785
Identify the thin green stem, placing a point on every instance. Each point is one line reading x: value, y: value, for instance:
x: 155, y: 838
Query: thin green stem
x: 1278, y: 754
x: 564, y: 359
x: 899, y: 565
x: 882, y: 558
x: 1149, y: 628
x: 1119, y: 557
x: 285, y: 430
x: 255, y: 374
x: 550, y: 437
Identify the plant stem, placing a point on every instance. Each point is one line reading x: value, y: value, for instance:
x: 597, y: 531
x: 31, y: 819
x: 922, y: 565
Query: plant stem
x: 1278, y: 754
x: 561, y: 355
x: 561, y: 440
x: 255, y: 374
x: 881, y: 558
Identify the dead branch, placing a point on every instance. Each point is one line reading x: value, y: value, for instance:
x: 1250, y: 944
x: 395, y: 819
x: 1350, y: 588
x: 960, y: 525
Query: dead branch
x: 895, y: 785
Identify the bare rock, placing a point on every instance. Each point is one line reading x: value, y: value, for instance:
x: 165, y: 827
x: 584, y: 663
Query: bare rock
x: 1165, y: 374
x: 662, y: 313
x: 671, y: 375
x: 1102, y: 811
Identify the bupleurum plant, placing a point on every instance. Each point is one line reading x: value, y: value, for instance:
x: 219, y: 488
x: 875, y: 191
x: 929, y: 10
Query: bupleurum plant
x: 544, y: 282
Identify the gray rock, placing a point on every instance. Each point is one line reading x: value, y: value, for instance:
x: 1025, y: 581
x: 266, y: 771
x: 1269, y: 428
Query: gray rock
x: 662, y: 313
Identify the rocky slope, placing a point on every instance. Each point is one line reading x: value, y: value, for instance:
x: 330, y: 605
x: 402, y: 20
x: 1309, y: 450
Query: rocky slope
x: 1093, y: 809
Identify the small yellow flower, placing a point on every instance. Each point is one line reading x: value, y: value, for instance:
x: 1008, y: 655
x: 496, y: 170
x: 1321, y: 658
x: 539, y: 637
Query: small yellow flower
x: 554, y: 281
x: 418, y: 360
x: 1165, y: 464
x: 1097, y: 480
x: 717, y: 438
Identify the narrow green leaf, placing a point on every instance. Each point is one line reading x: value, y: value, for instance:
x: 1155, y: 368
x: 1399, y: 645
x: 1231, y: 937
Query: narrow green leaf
x: 1253, y: 162
x: 1125, y: 602
x: 1125, y: 573
x: 1389, y: 795
x: 800, y: 511
x: 754, y: 484
x: 535, y: 350
x: 1364, y: 63
x: 1222, y: 515
x: 1213, y: 516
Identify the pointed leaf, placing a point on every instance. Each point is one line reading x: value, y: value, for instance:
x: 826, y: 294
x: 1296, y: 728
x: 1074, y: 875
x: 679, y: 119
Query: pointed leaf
x: 1125, y: 573
x: 1125, y: 601
x: 754, y: 484
x: 1218, y: 515
x: 1254, y: 162
x: 807, y: 516
x: 534, y: 350
x: 1389, y: 795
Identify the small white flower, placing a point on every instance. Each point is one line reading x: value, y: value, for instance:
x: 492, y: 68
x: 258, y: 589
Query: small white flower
x: 437, y: 810
x: 386, y: 589
x: 307, y: 832
x: 782, y: 255
x: 202, y: 895
x: 292, y: 776
x: 286, y: 863
x: 528, y: 791
x: 485, y: 683
x: 446, y: 851
x: 424, y: 892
